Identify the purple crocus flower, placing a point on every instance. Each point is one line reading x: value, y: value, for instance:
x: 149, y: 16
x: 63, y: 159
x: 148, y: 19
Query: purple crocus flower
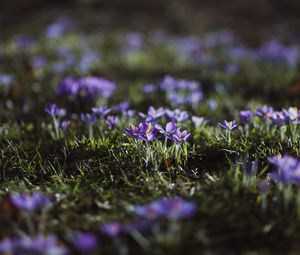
x: 88, y: 118
x: 39, y: 245
x: 112, y: 229
x: 95, y: 86
x: 143, y: 131
x: 168, y: 83
x: 287, y: 162
x: 198, y: 121
x: 150, y: 134
x: 87, y: 87
x: 279, y: 118
x: 180, y: 208
x: 85, y: 243
x: 147, y: 132
x: 288, y: 169
x: 30, y: 203
x: 112, y: 121
x: 101, y: 111
x: 175, y: 208
x: 64, y: 124
x: 176, y: 115
x: 246, y: 116
x: 179, y: 136
x: 54, y: 111
x: 133, y: 130
x: 153, y: 114
x: 292, y: 114
x: 171, y: 127
x: 173, y: 133
x: 68, y: 86
x: 181, y: 92
x: 229, y: 125
x: 264, y: 112
x: 276, y: 53
x: 153, y: 210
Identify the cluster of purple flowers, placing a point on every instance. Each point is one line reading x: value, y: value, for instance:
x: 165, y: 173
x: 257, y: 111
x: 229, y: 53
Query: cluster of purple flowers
x: 153, y: 115
x: 204, y: 50
x: 66, y: 58
x: 39, y: 245
x: 276, y: 53
x: 181, y: 92
x: 101, y: 112
x: 30, y: 203
x: 288, y: 169
x: 197, y: 50
x: 57, y: 113
x: 146, y: 132
x: 279, y: 118
x: 272, y: 52
x: 90, y: 118
x: 86, y: 87
x: 178, y: 92
x: 173, y: 133
x: 175, y: 209
x: 83, y: 242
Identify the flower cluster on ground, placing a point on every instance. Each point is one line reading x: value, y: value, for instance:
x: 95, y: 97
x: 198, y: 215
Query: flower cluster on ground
x: 128, y: 142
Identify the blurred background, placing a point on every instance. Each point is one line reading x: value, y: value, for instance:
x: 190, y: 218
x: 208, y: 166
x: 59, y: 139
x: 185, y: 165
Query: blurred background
x: 251, y: 47
x: 252, y: 19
